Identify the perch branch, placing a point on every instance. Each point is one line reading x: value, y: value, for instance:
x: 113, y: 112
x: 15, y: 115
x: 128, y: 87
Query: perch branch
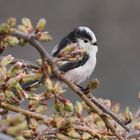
x: 48, y: 59
x: 133, y: 134
x: 107, y: 111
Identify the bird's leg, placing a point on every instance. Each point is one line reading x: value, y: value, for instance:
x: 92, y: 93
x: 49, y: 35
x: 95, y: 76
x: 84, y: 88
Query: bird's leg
x: 85, y: 90
x: 93, y: 84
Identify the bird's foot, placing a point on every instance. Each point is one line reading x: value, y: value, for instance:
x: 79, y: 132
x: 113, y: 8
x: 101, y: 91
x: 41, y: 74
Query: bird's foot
x: 93, y: 84
x: 84, y: 90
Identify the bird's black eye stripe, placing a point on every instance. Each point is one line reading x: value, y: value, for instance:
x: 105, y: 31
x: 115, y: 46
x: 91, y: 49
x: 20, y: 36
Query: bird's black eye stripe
x: 95, y: 43
x: 82, y: 34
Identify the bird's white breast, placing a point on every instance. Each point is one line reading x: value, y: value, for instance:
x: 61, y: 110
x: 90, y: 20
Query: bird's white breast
x: 83, y: 72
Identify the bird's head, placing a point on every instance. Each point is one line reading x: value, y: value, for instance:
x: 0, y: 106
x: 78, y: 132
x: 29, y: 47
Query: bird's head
x: 85, y: 38
x: 82, y: 35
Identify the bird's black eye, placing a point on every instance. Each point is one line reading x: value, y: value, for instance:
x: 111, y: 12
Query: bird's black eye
x: 85, y: 40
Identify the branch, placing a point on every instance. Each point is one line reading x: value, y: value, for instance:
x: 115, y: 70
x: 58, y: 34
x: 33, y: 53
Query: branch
x: 133, y: 134
x: 24, y: 112
x: 92, y: 132
x: 25, y: 63
x: 107, y: 111
x: 47, y: 59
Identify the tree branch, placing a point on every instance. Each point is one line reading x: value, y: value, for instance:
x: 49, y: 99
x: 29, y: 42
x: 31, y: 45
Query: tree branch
x: 47, y: 59
x: 107, y: 111
x: 133, y: 134
x: 92, y: 132
x: 25, y: 63
x: 23, y: 111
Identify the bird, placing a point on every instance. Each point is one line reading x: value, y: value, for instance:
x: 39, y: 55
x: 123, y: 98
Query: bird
x: 79, y: 69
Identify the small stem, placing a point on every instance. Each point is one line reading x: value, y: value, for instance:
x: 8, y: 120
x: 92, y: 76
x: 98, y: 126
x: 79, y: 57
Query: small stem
x: 107, y: 111
x: 93, y: 132
x: 23, y: 111
x: 25, y: 63
x: 133, y: 134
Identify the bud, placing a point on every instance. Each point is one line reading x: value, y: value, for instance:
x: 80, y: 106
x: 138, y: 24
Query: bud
x: 11, y: 22
x: 41, y: 24
x: 39, y: 62
x: 137, y: 125
x: 22, y: 28
x: 57, y: 89
x: 60, y: 136
x: 22, y: 42
x: 49, y: 69
x: 28, y: 134
x: 32, y: 104
x: 29, y: 77
x: 115, y: 107
x: 2, y: 78
x: 43, y: 36
x: 11, y: 41
x: 2, y: 96
x: 128, y: 115
x: 86, y: 136
x: 99, y: 122
x: 93, y: 84
x: 6, y: 60
x: 68, y: 49
x: 15, y: 120
x: 4, y: 28
x: 68, y: 106
x: 21, y: 93
x: 58, y: 120
x: 14, y: 130
x: 15, y: 70
x: 73, y: 134
x: 48, y: 84
x: 20, y: 138
x: 107, y: 103
x: 11, y: 82
x: 11, y: 97
x: 27, y: 23
x: 59, y: 106
x: 78, y: 108
x: 41, y: 108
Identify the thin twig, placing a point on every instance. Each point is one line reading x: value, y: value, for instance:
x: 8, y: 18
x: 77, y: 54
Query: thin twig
x: 23, y: 111
x: 25, y: 63
x: 133, y: 134
x: 107, y: 111
x: 92, y: 132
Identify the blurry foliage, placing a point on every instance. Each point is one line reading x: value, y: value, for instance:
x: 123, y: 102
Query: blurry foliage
x: 69, y: 120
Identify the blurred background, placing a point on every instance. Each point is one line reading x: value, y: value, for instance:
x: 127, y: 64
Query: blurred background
x: 116, y: 24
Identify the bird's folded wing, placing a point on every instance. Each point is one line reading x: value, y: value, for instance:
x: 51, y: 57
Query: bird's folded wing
x: 69, y: 65
x: 71, y: 57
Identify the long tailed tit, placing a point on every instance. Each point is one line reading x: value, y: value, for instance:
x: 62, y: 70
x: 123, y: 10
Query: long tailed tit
x: 78, y: 70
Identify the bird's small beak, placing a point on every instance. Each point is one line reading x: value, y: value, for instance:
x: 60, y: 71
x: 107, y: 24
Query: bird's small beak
x: 94, y: 43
